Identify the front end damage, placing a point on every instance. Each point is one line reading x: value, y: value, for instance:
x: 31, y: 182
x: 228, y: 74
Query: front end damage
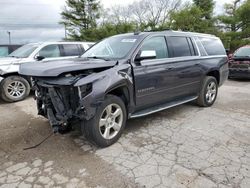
x: 60, y: 101
x: 73, y: 98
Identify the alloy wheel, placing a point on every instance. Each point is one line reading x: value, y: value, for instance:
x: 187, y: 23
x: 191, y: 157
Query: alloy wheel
x: 111, y: 121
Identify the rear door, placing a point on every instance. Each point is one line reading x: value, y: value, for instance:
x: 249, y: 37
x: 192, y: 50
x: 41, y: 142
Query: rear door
x: 185, y: 60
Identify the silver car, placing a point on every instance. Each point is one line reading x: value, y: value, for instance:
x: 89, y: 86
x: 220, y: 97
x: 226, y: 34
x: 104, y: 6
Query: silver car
x: 14, y: 87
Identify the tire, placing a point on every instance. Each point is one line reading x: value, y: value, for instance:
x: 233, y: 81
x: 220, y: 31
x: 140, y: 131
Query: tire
x: 208, y: 93
x: 105, y: 133
x: 14, y: 88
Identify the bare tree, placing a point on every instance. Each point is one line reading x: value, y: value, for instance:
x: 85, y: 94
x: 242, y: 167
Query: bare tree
x: 151, y: 13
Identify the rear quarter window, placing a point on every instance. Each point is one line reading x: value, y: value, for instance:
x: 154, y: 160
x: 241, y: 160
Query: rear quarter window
x: 212, y: 46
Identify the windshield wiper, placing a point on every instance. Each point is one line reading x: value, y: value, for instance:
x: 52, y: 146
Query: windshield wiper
x: 98, y: 57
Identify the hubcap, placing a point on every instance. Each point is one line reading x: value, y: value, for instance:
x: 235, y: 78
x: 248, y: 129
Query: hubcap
x: 111, y: 121
x: 16, y: 89
x: 211, y: 92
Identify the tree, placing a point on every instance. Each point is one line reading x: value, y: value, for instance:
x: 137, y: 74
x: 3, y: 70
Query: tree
x: 206, y: 6
x: 235, y: 23
x: 196, y: 17
x: 79, y: 16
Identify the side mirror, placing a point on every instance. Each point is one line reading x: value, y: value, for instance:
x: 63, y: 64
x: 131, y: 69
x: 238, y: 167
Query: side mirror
x: 146, y: 54
x: 39, y: 58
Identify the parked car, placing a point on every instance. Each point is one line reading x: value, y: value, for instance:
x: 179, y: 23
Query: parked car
x: 239, y: 63
x: 128, y: 76
x: 14, y: 87
x: 5, y: 50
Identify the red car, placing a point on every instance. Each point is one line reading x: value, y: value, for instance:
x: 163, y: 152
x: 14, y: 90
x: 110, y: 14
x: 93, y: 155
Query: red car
x: 239, y: 63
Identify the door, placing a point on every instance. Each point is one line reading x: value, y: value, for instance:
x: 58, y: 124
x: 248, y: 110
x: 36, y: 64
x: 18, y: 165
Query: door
x: 173, y: 74
x: 152, y: 76
x: 186, y: 63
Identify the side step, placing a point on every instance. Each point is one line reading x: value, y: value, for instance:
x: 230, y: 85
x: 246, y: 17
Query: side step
x: 161, y: 107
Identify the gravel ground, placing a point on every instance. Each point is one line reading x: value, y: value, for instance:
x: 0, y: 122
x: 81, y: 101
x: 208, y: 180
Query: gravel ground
x: 185, y: 146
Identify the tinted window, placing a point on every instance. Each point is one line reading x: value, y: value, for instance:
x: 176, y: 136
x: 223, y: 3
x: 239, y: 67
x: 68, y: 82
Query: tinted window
x: 4, y: 51
x: 71, y: 50
x: 50, y: 51
x: 243, y: 52
x: 179, y: 46
x: 213, y: 46
x: 157, y: 44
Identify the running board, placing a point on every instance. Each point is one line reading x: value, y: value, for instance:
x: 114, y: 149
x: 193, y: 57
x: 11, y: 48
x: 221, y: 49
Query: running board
x: 161, y: 107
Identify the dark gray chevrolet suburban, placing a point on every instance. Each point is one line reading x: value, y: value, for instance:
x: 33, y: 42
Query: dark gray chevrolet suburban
x: 128, y: 76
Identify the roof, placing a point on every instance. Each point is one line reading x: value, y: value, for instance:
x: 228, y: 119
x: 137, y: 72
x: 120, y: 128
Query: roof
x: 60, y: 42
x: 168, y: 32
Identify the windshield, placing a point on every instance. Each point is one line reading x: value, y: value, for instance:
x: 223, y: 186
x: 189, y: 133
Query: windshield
x: 24, y: 51
x: 112, y: 48
x: 243, y: 52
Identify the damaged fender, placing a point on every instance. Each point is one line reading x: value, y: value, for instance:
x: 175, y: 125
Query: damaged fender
x: 103, y: 83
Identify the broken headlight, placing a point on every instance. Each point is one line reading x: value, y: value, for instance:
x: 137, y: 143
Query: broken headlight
x: 84, y: 90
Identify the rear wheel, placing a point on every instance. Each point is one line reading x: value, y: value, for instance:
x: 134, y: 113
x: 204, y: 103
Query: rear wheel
x: 14, y: 88
x: 106, y: 127
x: 208, y: 92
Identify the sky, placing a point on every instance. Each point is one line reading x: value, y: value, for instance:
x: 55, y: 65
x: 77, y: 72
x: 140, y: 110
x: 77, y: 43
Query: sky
x: 37, y: 20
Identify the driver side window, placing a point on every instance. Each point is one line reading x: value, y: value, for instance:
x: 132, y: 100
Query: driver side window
x: 157, y: 44
x: 50, y: 51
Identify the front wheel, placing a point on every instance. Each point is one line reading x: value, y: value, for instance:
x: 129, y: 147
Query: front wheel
x: 106, y: 127
x: 208, y: 92
x: 14, y: 88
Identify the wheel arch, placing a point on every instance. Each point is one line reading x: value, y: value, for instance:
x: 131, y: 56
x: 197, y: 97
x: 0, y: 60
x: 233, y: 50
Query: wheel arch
x: 121, y: 91
x: 215, y: 74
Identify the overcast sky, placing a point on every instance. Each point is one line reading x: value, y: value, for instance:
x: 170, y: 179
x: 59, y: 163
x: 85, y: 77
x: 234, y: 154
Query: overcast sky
x: 37, y: 20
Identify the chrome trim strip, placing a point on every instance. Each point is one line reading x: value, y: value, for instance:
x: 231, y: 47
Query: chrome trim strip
x: 177, y: 59
x: 164, y: 108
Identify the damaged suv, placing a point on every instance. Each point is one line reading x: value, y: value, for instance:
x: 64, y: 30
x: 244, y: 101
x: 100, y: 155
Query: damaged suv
x: 128, y: 76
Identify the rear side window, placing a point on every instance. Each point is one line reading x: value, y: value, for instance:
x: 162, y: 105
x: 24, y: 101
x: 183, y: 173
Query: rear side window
x: 180, y: 46
x: 71, y: 50
x: 157, y: 44
x: 212, y: 46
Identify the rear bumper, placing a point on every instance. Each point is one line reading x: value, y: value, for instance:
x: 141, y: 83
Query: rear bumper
x: 239, y: 73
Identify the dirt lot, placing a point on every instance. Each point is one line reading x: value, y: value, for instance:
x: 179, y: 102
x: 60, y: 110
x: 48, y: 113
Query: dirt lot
x: 185, y: 146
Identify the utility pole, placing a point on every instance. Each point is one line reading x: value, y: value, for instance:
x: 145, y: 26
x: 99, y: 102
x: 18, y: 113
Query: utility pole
x: 65, y: 31
x: 9, y: 37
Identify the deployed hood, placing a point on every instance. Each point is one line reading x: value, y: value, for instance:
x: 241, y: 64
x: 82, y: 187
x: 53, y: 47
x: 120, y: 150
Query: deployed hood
x: 9, y: 60
x: 55, y: 68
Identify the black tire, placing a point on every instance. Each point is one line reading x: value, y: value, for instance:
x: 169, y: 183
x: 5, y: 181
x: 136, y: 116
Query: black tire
x: 91, y: 128
x: 204, y: 101
x: 24, y: 88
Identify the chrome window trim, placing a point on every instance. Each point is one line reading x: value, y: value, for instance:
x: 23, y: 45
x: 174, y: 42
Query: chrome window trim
x: 177, y: 59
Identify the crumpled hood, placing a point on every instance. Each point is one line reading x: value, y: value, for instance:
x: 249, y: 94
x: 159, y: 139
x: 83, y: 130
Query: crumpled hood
x: 9, y: 60
x: 55, y: 68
